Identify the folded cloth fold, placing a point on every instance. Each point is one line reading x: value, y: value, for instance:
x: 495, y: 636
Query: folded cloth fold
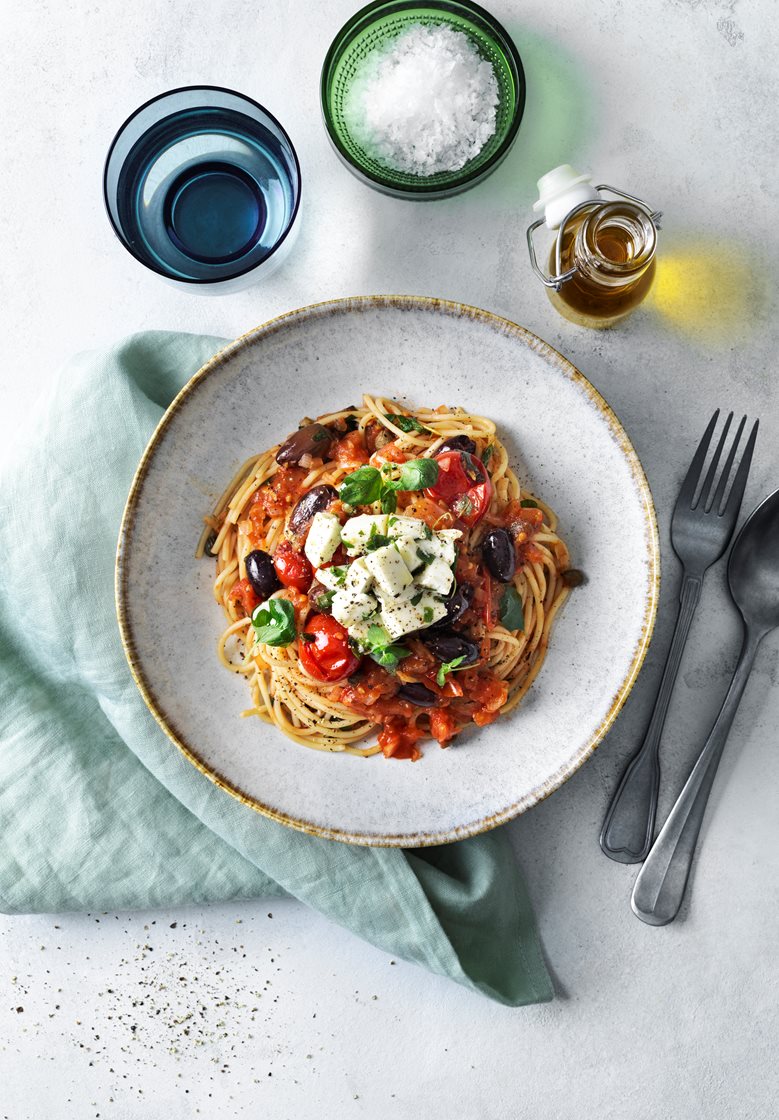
x: 98, y: 809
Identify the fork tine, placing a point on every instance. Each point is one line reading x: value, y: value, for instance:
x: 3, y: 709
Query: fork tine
x: 716, y: 502
x: 708, y: 483
x: 687, y: 492
x: 733, y: 503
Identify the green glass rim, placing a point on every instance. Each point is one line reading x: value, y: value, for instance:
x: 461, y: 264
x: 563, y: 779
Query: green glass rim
x: 442, y: 184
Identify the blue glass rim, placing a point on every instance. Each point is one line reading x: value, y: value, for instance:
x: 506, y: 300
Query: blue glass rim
x: 161, y: 271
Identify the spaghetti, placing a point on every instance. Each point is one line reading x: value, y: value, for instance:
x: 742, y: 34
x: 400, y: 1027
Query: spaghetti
x: 330, y: 685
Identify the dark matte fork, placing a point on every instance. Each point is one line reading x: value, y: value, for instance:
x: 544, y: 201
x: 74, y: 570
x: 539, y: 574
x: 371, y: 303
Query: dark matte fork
x: 701, y: 529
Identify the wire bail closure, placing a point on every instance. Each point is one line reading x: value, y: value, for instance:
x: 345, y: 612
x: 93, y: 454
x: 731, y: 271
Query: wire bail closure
x: 560, y: 278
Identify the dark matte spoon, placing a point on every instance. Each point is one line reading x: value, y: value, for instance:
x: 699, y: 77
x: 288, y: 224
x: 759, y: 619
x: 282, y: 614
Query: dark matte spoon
x: 753, y: 575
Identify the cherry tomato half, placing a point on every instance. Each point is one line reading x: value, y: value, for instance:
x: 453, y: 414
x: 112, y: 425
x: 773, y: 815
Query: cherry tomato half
x: 324, y: 649
x: 463, y: 485
x: 292, y: 568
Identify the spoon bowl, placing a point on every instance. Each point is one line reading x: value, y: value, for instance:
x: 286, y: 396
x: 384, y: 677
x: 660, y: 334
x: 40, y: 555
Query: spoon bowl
x: 753, y: 568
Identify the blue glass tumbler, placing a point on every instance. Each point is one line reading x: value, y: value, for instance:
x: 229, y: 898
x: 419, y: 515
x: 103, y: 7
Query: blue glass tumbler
x: 202, y: 185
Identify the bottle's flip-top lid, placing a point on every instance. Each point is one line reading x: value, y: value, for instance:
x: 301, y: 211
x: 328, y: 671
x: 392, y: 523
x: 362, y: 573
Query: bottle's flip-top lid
x: 559, y: 191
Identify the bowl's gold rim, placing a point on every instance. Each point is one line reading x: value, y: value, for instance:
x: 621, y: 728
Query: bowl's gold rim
x: 423, y: 303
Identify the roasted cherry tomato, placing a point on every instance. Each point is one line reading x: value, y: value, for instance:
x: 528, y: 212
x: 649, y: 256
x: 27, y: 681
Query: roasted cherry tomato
x: 292, y: 567
x: 463, y: 485
x: 324, y: 649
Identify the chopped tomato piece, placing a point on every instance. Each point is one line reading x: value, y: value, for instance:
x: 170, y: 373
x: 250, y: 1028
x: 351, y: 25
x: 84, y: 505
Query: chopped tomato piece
x: 483, y: 687
x: 391, y: 453
x: 292, y: 567
x: 275, y: 497
x: 324, y: 649
x: 435, y: 515
x: 244, y: 594
x: 443, y: 726
x: 350, y: 451
x: 398, y: 739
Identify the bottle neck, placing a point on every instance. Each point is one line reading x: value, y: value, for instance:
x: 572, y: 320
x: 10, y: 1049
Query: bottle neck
x: 615, y: 244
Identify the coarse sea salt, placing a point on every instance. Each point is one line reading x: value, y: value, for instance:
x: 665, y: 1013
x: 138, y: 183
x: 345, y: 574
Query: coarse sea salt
x: 424, y: 102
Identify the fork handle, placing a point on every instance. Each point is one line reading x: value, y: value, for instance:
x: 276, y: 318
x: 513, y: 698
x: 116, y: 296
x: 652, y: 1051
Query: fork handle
x: 629, y: 824
x: 661, y: 882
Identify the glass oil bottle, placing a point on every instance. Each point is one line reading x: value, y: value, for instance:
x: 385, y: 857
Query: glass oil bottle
x: 602, y: 263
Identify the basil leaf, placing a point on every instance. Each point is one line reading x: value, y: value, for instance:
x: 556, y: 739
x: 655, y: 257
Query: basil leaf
x: 528, y: 503
x: 362, y: 487
x: 446, y: 668
x: 406, y: 423
x: 389, y: 501
x: 274, y: 622
x: 417, y: 474
x: 388, y: 656
x: 379, y: 646
x: 511, y: 614
x: 377, y: 635
x: 377, y: 540
x: 486, y: 454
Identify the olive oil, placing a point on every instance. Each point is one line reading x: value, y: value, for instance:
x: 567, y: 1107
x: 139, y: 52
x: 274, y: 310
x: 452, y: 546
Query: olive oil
x: 602, y: 263
x: 612, y: 248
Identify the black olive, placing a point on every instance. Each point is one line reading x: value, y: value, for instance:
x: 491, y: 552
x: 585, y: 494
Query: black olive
x: 573, y: 577
x: 448, y: 646
x: 261, y: 573
x: 457, y: 443
x: 315, y: 501
x: 313, y: 439
x: 417, y: 694
x: 456, y: 606
x: 497, y: 550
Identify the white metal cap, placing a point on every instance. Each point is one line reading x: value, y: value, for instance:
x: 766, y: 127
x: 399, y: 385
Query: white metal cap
x: 560, y: 190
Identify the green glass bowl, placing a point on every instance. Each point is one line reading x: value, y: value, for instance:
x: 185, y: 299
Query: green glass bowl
x: 383, y: 20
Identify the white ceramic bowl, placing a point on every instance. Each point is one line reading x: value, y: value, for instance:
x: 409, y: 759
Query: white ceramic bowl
x: 563, y: 439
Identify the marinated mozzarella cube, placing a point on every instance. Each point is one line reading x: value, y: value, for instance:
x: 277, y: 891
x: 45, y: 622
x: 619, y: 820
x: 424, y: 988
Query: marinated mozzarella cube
x: 332, y: 578
x: 387, y: 568
x: 358, y: 531
x: 323, y: 539
x: 358, y: 578
x: 350, y: 607
x: 412, y: 527
x: 444, y: 544
x: 401, y: 618
x: 437, y: 576
x: 432, y: 608
x: 412, y: 555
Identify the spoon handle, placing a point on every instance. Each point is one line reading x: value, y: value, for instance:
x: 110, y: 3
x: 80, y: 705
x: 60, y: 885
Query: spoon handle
x: 629, y: 824
x: 661, y: 883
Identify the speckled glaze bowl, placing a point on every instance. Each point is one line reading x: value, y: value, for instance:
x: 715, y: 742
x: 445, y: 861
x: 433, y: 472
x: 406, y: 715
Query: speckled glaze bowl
x: 563, y: 439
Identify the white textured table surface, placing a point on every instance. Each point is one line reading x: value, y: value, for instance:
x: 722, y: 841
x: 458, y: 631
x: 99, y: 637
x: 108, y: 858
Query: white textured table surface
x: 228, y: 1011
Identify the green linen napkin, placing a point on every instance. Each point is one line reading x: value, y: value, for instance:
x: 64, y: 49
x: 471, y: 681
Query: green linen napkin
x: 98, y: 810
